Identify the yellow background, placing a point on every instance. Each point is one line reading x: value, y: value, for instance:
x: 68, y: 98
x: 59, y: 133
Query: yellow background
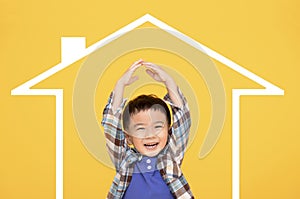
x: 262, y: 36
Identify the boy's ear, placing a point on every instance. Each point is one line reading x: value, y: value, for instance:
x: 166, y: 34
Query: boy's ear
x: 128, y: 138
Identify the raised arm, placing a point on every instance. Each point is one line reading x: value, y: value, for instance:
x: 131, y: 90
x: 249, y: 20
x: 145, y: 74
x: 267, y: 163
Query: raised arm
x: 180, y: 110
x: 111, y: 121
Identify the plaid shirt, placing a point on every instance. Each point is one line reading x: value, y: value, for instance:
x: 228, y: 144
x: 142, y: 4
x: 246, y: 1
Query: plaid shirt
x: 169, y: 159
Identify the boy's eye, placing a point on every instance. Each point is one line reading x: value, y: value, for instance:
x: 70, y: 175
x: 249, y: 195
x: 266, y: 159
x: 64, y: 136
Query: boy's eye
x: 141, y: 129
x: 158, y: 126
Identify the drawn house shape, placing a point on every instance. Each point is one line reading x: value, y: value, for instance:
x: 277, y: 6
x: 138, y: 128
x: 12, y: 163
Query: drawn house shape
x: 74, y: 49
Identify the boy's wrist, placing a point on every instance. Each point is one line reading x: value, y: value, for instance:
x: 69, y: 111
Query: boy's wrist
x: 120, y: 83
x: 119, y: 87
x: 171, y: 85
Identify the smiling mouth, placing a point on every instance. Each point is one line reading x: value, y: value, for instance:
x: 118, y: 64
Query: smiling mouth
x: 151, y: 146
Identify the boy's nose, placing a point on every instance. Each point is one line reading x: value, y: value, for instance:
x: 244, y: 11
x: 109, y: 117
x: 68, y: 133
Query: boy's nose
x: 150, y: 135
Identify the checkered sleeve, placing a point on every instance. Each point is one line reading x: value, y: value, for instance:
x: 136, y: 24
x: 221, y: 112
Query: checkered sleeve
x: 180, y: 127
x: 115, y: 137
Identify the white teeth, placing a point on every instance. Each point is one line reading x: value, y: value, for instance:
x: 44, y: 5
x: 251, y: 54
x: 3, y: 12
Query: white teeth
x: 150, y: 146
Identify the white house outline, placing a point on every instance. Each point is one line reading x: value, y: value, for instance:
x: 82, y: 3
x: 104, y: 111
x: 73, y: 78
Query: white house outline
x: 78, y: 51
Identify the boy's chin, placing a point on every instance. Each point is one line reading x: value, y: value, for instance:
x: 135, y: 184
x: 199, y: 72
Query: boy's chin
x: 151, y: 153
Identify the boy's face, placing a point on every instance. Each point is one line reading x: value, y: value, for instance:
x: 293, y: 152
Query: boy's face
x: 148, y: 131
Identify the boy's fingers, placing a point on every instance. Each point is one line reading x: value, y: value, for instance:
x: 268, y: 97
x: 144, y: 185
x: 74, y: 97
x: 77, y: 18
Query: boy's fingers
x: 137, y: 62
x: 153, y: 75
x: 150, y: 72
x: 152, y: 66
x: 133, y: 79
x: 140, y: 60
x: 148, y: 64
x: 135, y: 66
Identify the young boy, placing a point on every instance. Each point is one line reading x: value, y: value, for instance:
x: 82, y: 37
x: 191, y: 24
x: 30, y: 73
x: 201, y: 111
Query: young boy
x: 148, y: 151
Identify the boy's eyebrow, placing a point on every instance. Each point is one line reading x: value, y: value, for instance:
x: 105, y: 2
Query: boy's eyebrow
x: 159, y: 122
x: 141, y: 124
x: 138, y: 124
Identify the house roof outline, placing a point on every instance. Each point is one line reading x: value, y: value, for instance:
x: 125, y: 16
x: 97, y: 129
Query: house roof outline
x: 77, y: 45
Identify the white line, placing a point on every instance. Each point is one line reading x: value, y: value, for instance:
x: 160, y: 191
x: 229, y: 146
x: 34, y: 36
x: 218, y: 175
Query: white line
x: 235, y: 144
x: 59, y: 146
x: 59, y: 159
x: 236, y: 93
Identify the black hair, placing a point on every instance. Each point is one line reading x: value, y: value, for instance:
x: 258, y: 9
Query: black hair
x: 143, y: 103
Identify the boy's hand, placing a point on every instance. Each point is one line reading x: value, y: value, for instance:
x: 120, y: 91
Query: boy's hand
x: 127, y: 77
x: 157, y: 73
x: 125, y: 80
